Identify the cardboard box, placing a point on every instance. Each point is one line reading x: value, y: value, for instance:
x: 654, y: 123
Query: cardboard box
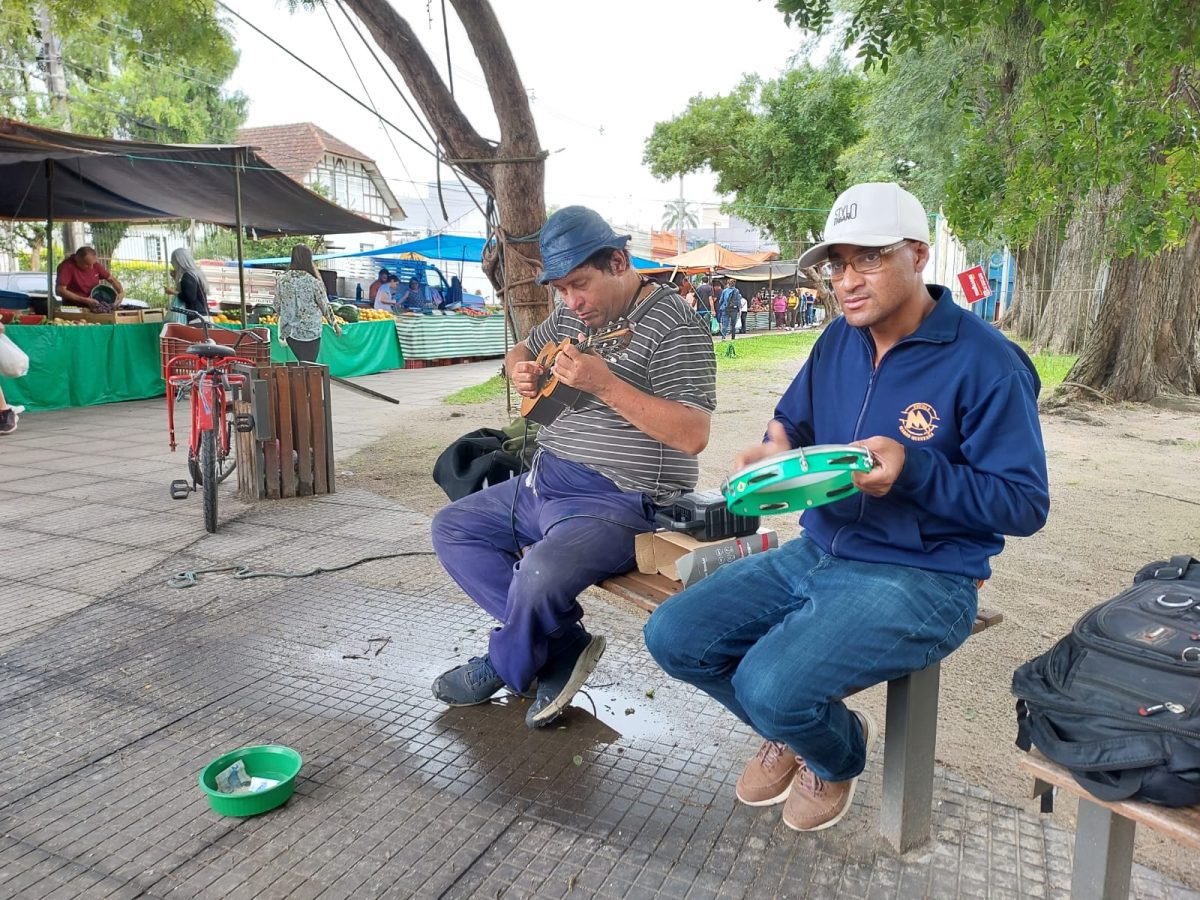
x: 687, y: 560
x: 657, y: 552
x: 116, y: 317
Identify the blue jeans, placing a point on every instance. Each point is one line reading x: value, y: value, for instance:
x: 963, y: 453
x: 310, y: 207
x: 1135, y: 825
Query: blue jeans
x: 578, y: 527
x: 778, y: 638
x: 729, y: 323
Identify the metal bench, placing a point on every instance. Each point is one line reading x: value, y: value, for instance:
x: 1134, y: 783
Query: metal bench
x: 1104, y: 831
x: 910, y: 732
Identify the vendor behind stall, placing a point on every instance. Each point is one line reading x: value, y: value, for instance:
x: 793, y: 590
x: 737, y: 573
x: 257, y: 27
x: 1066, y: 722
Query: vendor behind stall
x: 414, y: 298
x: 380, y: 281
x: 78, y: 276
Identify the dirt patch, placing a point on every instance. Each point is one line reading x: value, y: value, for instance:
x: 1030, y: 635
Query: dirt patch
x: 1124, y: 487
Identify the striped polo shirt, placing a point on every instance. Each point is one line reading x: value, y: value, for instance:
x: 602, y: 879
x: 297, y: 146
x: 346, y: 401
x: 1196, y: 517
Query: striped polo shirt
x: 670, y: 356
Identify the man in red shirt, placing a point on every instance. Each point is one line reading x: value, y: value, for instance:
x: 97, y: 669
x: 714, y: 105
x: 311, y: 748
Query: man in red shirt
x: 79, y: 274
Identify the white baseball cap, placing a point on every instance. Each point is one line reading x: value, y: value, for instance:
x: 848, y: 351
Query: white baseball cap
x: 872, y: 214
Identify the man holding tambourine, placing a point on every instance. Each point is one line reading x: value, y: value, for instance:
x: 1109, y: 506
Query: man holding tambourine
x: 882, y: 582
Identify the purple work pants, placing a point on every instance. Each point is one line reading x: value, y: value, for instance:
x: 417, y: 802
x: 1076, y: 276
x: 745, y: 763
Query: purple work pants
x: 578, y: 527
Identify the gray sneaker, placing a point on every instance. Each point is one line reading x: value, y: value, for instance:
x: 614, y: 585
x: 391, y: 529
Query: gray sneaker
x: 561, y: 680
x: 470, y: 684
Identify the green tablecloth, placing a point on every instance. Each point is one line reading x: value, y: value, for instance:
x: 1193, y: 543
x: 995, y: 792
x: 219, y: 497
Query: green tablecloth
x: 363, y: 348
x: 450, y: 337
x: 85, y: 365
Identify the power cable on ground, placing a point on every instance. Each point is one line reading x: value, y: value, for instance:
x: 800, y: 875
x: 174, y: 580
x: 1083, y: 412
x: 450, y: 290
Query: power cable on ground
x: 191, y: 577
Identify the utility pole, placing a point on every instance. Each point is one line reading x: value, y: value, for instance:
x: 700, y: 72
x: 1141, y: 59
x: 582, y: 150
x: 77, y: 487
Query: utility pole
x: 680, y: 215
x: 56, y: 86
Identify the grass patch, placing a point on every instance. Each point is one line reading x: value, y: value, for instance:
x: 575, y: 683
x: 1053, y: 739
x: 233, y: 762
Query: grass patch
x: 477, y: 393
x: 761, y: 352
x: 1052, y: 368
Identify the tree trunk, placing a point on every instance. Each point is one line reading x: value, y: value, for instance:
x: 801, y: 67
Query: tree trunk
x: 511, y: 172
x: 1077, y: 281
x: 826, y: 297
x: 1035, y: 265
x: 1146, y: 338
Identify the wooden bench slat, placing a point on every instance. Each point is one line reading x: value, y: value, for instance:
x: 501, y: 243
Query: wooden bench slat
x: 1182, y: 824
x: 649, y: 591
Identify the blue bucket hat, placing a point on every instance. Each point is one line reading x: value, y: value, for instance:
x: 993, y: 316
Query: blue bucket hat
x: 570, y: 236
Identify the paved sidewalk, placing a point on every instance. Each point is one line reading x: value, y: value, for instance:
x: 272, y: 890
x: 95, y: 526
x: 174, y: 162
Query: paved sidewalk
x: 115, y: 689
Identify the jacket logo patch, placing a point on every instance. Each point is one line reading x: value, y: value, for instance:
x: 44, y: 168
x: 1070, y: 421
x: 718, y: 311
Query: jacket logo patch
x: 918, y: 422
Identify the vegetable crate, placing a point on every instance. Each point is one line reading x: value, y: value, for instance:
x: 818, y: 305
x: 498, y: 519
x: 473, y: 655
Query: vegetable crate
x: 175, y: 338
x: 285, y: 432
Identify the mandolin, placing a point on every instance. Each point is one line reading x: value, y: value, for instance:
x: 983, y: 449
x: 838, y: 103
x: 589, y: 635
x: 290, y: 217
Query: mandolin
x: 552, y: 397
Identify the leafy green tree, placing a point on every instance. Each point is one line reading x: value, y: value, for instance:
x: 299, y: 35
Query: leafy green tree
x: 775, y: 145
x: 221, y: 243
x: 1085, y: 108
x: 150, y: 71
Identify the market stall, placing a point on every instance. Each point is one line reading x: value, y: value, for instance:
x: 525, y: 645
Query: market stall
x: 363, y: 348
x: 85, y: 365
x: 455, y: 335
x: 49, y: 174
x: 450, y: 336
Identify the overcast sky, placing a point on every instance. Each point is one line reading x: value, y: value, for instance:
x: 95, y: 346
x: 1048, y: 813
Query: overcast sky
x: 600, y: 76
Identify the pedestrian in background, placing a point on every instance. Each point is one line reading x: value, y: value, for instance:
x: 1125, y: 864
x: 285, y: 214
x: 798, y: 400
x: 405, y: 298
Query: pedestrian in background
x: 188, y: 286
x: 779, y: 306
x: 302, y: 306
x: 8, y: 415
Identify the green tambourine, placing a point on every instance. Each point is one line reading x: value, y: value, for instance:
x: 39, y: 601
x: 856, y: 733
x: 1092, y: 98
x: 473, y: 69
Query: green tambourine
x: 796, y: 480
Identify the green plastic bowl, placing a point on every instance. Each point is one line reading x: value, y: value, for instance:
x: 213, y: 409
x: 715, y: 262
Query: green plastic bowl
x: 105, y: 293
x: 265, y: 761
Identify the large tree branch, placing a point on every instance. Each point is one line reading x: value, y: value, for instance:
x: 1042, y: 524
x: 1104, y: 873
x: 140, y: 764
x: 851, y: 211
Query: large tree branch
x: 518, y: 133
x: 396, y: 38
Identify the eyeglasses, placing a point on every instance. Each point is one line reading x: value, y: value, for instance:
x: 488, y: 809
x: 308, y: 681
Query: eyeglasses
x: 863, y: 261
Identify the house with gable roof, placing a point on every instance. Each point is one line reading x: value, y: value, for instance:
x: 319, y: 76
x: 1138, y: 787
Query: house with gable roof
x: 328, y: 165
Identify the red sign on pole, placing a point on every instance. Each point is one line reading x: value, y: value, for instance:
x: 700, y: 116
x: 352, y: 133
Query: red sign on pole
x: 975, y: 284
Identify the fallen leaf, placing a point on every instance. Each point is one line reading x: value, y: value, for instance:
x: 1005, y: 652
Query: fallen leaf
x: 577, y: 759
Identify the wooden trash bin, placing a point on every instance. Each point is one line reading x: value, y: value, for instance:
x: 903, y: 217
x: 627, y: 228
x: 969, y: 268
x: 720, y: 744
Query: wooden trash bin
x: 288, y: 451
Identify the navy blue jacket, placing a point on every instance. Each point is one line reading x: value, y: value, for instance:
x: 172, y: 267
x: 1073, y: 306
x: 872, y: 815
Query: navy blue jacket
x: 962, y: 399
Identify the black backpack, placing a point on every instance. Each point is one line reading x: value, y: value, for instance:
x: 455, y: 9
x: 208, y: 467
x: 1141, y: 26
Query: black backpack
x: 1117, y: 701
x: 473, y: 462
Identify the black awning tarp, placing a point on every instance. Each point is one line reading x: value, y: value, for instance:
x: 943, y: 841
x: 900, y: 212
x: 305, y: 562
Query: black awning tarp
x: 99, y: 179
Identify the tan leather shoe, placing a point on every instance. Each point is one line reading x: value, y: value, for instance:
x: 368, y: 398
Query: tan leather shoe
x: 768, y: 777
x: 814, y: 804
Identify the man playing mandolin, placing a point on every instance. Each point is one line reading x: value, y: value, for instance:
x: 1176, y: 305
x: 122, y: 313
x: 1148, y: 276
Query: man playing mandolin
x: 625, y: 446
x: 882, y: 582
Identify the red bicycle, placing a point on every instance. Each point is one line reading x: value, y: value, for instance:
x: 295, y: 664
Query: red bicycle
x: 210, y: 379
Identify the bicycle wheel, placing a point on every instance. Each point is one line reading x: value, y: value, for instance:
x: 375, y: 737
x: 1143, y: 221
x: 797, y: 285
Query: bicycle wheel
x: 208, y: 473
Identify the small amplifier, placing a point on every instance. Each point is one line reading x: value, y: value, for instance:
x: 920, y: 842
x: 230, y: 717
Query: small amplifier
x: 705, y: 516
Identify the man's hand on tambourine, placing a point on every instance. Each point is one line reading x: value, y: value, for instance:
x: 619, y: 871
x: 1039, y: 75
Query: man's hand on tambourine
x: 525, y: 377
x: 888, y: 456
x: 777, y: 442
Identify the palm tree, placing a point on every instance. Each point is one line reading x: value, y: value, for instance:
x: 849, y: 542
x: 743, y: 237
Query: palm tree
x: 677, y: 214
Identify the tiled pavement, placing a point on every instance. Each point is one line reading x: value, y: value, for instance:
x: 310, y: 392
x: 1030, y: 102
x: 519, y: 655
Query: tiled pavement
x: 115, y: 689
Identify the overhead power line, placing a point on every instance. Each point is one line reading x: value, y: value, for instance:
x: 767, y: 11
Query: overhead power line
x: 326, y: 78
x: 387, y: 134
